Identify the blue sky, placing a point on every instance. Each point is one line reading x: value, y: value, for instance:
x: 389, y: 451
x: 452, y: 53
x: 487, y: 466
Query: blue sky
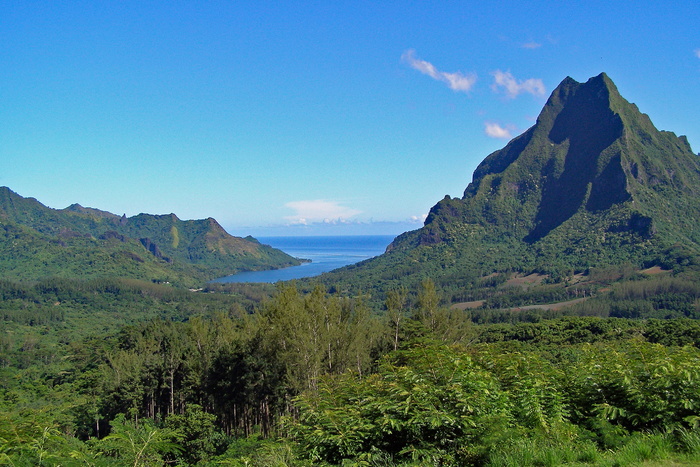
x: 281, y: 118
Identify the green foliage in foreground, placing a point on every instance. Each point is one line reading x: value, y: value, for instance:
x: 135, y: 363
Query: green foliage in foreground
x: 198, y: 379
x: 429, y: 404
x: 438, y: 405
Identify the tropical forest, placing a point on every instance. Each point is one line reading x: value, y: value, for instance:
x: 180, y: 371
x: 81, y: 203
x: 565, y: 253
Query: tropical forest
x: 550, y: 316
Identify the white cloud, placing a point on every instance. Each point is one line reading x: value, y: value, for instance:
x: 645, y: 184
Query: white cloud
x: 513, y: 87
x: 531, y: 45
x: 319, y: 210
x: 697, y: 53
x: 456, y: 81
x: 494, y: 130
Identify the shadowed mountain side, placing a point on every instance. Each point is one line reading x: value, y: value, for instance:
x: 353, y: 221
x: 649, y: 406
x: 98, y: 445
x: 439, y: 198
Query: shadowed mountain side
x: 592, y: 183
x: 587, y: 127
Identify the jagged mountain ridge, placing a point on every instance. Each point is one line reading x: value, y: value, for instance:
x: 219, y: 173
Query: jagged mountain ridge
x: 157, y: 244
x: 592, y: 183
x: 590, y: 150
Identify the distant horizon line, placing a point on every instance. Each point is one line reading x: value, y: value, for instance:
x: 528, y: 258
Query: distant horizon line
x: 325, y: 235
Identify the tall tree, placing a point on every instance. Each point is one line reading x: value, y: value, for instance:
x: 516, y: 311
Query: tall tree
x: 395, y: 312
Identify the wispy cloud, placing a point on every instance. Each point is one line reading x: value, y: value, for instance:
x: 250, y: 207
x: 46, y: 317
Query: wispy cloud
x: 319, y: 210
x: 513, y: 87
x: 494, y: 130
x: 531, y: 45
x: 456, y: 81
x: 418, y: 219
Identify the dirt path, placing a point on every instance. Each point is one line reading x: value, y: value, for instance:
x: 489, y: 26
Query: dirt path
x: 548, y: 306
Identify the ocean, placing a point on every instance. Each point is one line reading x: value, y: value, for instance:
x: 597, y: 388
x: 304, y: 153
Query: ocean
x: 325, y: 253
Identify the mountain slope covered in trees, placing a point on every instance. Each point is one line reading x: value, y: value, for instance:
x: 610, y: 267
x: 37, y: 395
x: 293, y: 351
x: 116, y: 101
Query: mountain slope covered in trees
x: 37, y: 241
x: 593, y: 183
x: 107, y: 371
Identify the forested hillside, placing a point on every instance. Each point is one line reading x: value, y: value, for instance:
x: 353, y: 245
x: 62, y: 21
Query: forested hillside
x: 592, y: 184
x: 37, y: 242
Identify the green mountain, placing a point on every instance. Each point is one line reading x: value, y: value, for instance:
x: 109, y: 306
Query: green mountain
x: 37, y: 241
x: 593, y: 183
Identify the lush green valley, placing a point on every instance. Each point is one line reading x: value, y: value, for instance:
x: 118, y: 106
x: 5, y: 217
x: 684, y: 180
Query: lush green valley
x: 121, y: 372
x: 548, y: 317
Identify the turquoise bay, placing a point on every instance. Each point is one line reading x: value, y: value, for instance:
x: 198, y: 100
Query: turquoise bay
x: 325, y: 254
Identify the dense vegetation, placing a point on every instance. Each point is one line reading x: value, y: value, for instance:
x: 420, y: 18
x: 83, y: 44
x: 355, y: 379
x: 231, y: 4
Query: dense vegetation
x: 37, y: 242
x: 548, y: 317
x: 121, y: 372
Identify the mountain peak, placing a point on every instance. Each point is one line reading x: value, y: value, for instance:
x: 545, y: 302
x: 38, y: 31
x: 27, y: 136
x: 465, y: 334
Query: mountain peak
x: 592, y: 184
x: 601, y: 82
x: 77, y: 208
x: 592, y: 166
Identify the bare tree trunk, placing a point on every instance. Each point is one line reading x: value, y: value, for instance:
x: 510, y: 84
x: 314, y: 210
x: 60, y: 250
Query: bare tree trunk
x: 172, y: 390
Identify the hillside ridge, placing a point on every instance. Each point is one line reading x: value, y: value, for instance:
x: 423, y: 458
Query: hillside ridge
x: 157, y: 247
